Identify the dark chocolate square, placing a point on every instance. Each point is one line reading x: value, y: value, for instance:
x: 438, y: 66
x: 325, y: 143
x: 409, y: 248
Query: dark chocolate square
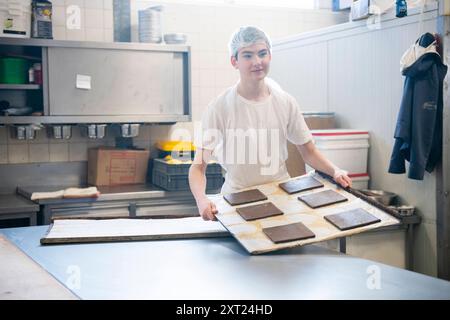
x: 288, y: 232
x: 259, y: 211
x: 322, y: 199
x: 351, y: 219
x: 243, y: 197
x: 301, y: 184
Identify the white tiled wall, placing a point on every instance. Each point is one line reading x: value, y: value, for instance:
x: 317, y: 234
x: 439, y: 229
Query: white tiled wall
x: 208, y: 29
x: 59, y: 152
x: 96, y: 20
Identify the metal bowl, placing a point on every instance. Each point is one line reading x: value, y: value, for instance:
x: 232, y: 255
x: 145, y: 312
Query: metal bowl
x: 384, y: 197
x: 175, y: 38
x: 404, y: 210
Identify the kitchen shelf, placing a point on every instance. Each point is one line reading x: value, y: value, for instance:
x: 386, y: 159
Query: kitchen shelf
x: 160, y: 93
x: 7, y: 86
x: 156, y: 118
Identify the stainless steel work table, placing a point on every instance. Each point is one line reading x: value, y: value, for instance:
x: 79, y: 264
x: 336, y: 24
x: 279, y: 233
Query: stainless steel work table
x: 107, y: 193
x: 127, y: 201
x: 13, y: 206
x: 219, y: 268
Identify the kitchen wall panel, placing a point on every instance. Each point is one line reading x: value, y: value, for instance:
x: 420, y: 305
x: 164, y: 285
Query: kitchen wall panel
x: 356, y: 74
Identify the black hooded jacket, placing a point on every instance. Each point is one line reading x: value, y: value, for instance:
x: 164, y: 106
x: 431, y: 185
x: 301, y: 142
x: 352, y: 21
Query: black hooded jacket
x: 418, y: 133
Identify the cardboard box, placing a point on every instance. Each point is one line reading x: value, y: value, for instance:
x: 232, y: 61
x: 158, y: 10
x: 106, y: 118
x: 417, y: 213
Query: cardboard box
x: 113, y: 166
x: 315, y: 121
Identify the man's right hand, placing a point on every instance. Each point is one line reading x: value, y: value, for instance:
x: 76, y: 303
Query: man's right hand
x: 207, y: 209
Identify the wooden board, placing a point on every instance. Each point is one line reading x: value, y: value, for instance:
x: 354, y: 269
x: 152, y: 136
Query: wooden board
x: 22, y: 278
x: 288, y: 232
x: 259, y: 211
x: 300, y: 184
x: 351, y: 219
x: 250, y: 233
x: 322, y: 199
x: 243, y: 197
x: 111, y: 230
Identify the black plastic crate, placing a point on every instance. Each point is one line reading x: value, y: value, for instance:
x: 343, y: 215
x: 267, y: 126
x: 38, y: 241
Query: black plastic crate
x: 181, y: 182
x: 182, y: 168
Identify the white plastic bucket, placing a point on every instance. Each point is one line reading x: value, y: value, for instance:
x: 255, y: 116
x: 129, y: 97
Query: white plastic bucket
x: 360, y: 180
x: 15, y: 18
x: 346, y: 148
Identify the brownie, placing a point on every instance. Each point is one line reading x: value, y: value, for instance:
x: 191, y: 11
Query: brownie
x: 351, y: 219
x: 322, y: 199
x: 301, y: 184
x: 259, y: 211
x: 288, y: 232
x: 243, y: 197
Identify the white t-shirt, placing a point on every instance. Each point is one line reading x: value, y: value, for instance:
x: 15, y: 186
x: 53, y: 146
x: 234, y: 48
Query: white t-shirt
x: 249, y: 139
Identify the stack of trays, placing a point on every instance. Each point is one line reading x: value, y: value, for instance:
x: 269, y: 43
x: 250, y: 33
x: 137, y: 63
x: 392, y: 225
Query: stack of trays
x: 150, y: 25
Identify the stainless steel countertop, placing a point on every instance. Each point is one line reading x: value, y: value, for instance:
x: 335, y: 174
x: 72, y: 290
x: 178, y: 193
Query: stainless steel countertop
x: 107, y: 193
x: 13, y: 203
x: 93, y: 44
x: 219, y: 268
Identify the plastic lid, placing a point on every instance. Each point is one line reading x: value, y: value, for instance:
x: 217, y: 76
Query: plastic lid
x: 358, y: 175
x: 318, y: 114
x: 338, y: 132
x: 174, y: 145
x: 37, y: 66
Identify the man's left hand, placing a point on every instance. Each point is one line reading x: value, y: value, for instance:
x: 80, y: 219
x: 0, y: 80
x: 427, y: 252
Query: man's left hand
x: 341, y: 177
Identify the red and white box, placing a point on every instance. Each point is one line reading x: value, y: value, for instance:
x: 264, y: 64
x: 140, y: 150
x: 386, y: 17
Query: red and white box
x: 359, y: 180
x: 346, y: 148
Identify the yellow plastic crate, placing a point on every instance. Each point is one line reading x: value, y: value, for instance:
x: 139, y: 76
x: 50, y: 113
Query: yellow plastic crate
x: 176, y: 149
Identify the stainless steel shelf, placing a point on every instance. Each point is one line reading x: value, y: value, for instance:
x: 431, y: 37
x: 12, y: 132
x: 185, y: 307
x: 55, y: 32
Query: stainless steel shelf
x: 173, y: 103
x: 7, y: 86
x: 93, y: 44
x: 157, y: 118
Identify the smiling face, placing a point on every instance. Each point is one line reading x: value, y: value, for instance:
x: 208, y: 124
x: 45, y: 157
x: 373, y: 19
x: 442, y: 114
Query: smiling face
x: 253, y: 62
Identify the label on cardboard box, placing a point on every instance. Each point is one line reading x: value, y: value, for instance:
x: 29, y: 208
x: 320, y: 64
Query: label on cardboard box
x: 112, y: 166
x: 122, y: 168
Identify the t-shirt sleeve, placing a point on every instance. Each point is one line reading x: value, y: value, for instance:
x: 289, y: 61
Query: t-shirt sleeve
x: 297, y: 132
x: 211, y: 131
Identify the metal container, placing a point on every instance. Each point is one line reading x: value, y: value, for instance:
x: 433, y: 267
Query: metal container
x: 175, y: 38
x: 404, y: 210
x: 25, y: 132
x: 61, y: 132
x: 149, y: 24
x: 20, y: 132
x: 129, y: 130
x: 94, y: 131
x: 384, y: 197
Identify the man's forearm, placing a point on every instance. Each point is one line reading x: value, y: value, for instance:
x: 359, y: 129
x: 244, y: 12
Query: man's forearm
x: 197, y: 182
x: 316, y: 160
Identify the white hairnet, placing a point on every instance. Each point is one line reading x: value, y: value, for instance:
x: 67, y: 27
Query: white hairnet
x: 247, y: 36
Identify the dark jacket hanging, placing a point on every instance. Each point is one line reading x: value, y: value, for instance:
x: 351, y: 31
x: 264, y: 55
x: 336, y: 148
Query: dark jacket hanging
x: 418, y: 133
